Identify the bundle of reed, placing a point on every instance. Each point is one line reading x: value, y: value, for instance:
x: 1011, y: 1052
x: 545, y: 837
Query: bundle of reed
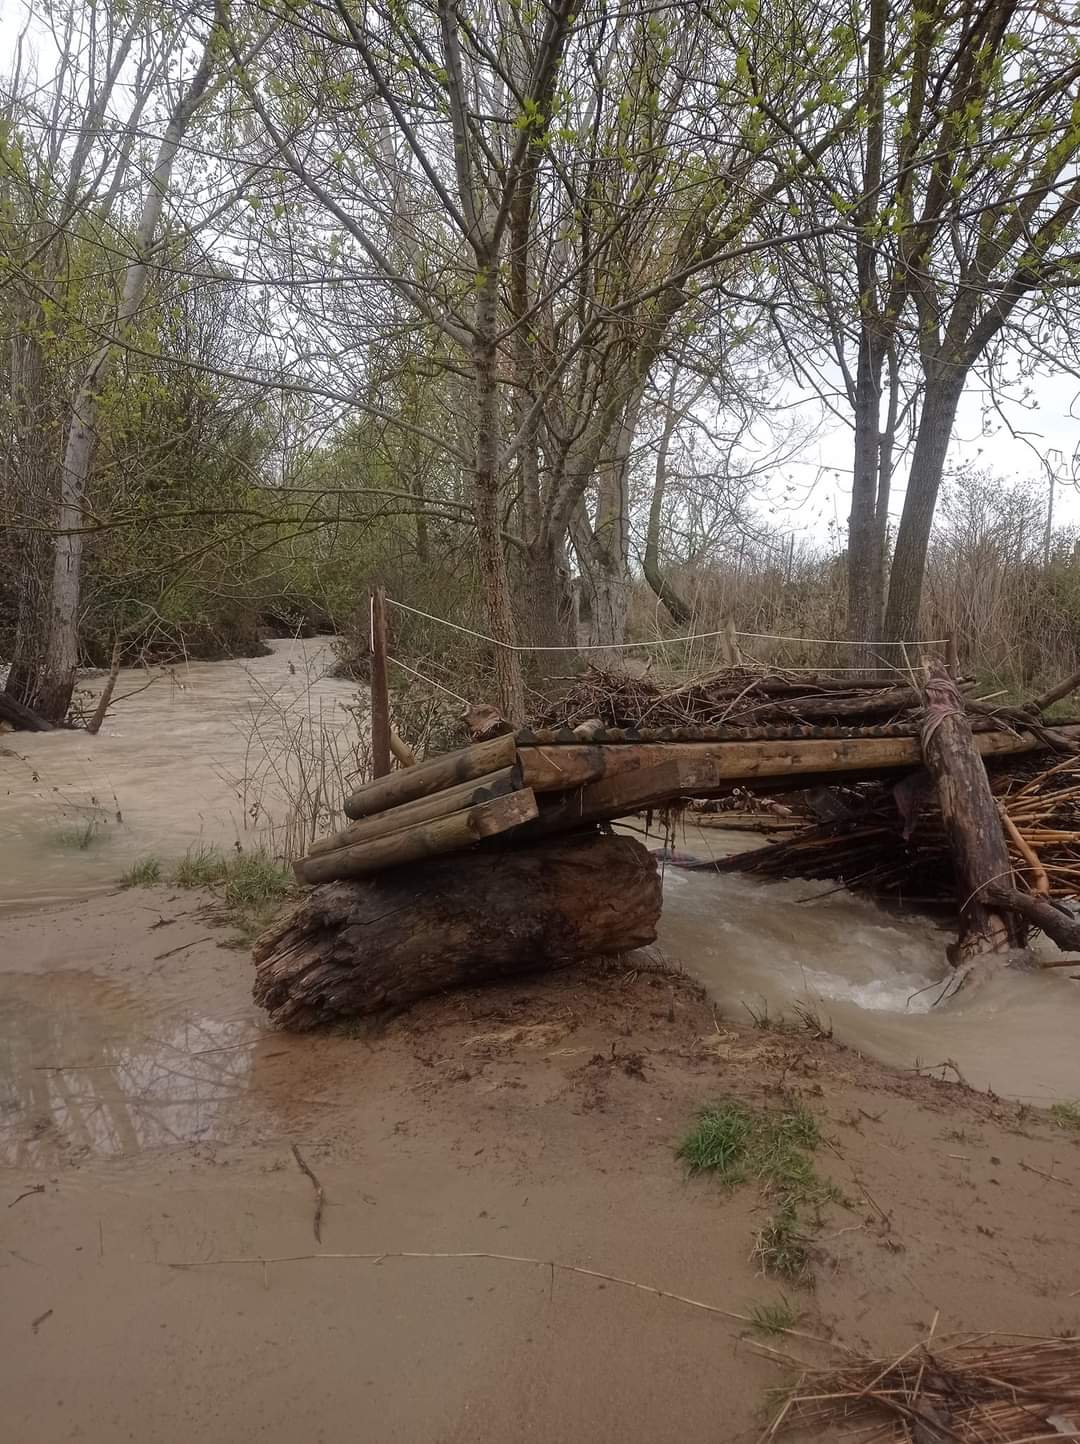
x: 970, y: 1391
x: 881, y: 846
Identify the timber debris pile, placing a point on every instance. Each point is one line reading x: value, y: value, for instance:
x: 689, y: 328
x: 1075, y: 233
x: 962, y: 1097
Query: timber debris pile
x: 495, y: 859
x: 889, y: 839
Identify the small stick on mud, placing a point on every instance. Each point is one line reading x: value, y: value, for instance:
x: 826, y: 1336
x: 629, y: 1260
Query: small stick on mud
x: 1051, y: 1177
x: 320, y: 1196
x: 37, y: 1188
x: 41, y: 1319
x: 171, y: 952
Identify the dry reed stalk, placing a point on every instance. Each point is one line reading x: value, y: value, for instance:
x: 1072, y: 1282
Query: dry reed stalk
x: 969, y: 1390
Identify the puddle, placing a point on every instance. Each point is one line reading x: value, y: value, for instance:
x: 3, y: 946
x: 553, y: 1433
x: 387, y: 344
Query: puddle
x: 84, y: 1070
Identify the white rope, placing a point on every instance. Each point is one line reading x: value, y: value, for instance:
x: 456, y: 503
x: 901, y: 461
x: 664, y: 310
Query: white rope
x: 666, y: 641
x: 430, y: 681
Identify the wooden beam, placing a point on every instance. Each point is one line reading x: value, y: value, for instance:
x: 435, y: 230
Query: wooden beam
x: 424, y: 809
x: 432, y: 776
x: 424, y: 839
x: 556, y: 769
x: 616, y: 796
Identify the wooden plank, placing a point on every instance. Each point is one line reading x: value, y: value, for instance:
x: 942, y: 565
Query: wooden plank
x: 557, y: 769
x: 613, y: 797
x: 424, y: 839
x: 435, y: 775
x: 424, y: 809
x: 381, y: 762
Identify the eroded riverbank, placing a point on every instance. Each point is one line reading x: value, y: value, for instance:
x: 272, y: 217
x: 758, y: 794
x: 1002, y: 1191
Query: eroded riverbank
x: 144, y: 1098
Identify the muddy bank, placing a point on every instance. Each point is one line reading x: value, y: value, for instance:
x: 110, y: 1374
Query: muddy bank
x: 140, y: 1091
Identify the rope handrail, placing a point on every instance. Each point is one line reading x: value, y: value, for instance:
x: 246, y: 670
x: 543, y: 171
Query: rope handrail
x: 666, y: 641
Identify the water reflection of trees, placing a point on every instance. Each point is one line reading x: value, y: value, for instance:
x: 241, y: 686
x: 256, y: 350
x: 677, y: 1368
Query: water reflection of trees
x: 84, y: 1070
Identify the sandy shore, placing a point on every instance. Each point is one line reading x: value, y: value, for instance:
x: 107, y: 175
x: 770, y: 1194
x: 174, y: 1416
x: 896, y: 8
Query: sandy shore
x: 143, y: 1100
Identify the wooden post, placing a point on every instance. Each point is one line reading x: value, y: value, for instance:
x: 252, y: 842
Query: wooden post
x: 380, y: 692
x: 952, y: 656
x: 972, y: 823
x: 729, y: 643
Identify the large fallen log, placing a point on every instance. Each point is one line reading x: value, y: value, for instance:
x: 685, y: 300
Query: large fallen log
x: 353, y: 948
x: 972, y: 823
x: 21, y: 717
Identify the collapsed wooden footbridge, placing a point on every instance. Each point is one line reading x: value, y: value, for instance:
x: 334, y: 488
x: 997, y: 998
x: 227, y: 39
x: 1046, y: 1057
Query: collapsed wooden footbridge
x: 494, y: 860
x: 530, y: 785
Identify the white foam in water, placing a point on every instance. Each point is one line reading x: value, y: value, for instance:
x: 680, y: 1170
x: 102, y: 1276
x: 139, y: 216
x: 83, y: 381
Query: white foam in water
x: 904, y: 993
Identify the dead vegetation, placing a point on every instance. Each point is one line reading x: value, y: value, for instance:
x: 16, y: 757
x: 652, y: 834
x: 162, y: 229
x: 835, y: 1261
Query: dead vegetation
x: 966, y: 1391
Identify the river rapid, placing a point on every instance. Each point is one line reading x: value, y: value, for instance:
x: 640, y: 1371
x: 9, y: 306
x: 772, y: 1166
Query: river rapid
x: 222, y: 753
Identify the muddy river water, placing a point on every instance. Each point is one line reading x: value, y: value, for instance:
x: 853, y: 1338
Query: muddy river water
x: 220, y: 753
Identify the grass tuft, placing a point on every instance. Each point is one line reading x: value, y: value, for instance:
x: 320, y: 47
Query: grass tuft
x: 783, y: 1249
x: 254, y: 879
x: 1066, y: 1115
x: 250, y: 885
x: 774, y: 1318
x: 78, y: 836
x: 719, y: 1141
x: 144, y: 873
x: 201, y: 867
x: 774, y: 1146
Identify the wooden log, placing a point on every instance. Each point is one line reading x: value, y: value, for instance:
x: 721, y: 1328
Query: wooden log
x: 354, y: 948
x: 556, y: 769
x: 424, y: 809
x: 21, y: 717
x: 423, y: 839
x: 432, y: 776
x: 625, y: 793
x: 971, y: 821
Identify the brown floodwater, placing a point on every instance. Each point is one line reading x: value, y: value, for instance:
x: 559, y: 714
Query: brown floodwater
x: 225, y: 754
x: 202, y: 754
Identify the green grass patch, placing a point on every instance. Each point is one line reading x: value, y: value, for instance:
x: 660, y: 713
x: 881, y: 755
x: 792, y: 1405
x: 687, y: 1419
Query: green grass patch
x: 1066, y: 1115
x: 144, y: 873
x: 774, y: 1147
x: 250, y: 885
x: 201, y: 867
x: 774, y: 1318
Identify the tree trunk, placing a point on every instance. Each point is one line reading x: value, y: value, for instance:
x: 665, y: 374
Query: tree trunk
x: 972, y: 822
x: 864, y: 549
x: 490, y: 555
x: 354, y: 948
x: 666, y: 592
x: 609, y: 598
x: 56, y: 683
x: 943, y: 394
x: 546, y: 608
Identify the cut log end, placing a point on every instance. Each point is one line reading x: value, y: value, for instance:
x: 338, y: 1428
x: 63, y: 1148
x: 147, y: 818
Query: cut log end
x: 356, y: 948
